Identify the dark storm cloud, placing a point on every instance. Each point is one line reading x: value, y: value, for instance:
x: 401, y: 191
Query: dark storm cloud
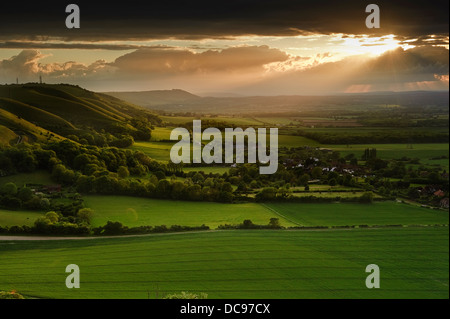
x: 218, y: 19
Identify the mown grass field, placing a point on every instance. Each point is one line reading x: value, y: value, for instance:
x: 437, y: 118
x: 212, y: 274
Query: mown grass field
x: 328, y: 264
x: 153, y: 212
x: 342, y: 214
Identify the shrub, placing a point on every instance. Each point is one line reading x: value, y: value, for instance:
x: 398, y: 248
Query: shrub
x: 367, y: 197
x: 9, y: 189
x: 274, y: 223
x: 85, y: 215
x: 187, y: 295
x: 114, y: 228
x: 247, y: 224
x: 10, y: 295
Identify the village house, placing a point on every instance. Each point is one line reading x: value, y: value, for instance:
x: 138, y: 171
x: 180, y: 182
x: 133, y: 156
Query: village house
x: 439, y: 193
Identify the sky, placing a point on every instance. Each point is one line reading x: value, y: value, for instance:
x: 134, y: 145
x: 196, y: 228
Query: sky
x: 245, y: 47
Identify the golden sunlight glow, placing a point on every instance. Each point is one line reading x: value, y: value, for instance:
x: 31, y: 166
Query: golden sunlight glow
x: 372, y: 45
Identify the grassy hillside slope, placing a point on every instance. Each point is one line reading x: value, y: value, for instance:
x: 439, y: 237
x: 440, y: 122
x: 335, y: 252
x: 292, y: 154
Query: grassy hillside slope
x: 35, y: 109
x: 6, y: 135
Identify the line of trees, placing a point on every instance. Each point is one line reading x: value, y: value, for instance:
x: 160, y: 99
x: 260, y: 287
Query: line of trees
x: 53, y: 223
x: 117, y: 228
x: 272, y: 194
x: 274, y: 223
x: 379, y: 137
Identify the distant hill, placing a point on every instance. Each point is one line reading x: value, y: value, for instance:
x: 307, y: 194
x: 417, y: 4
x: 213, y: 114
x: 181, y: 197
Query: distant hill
x: 178, y: 101
x: 150, y: 99
x: 40, y: 111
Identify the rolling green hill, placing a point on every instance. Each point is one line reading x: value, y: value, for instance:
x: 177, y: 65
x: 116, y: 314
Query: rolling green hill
x: 32, y: 114
x: 35, y: 110
x: 21, y: 127
x: 6, y: 135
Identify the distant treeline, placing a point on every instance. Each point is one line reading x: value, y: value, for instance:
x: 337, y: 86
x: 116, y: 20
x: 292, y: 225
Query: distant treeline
x: 271, y: 194
x: 117, y: 228
x: 56, y: 229
x: 399, y: 122
x: 385, y: 137
x: 110, y: 228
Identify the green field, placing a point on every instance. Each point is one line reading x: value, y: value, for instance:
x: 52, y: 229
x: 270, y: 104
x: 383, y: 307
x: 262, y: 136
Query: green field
x: 325, y: 194
x: 235, y: 264
x: 18, y: 218
x: 38, y: 177
x: 360, y: 130
x: 378, y: 213
x: 239, y: 121
x: 295, y: 141
x: 141, y: 211
x: 395, y: 151
x: 177, y: 119
x: 278, y: 120
x: 156, y: 150
x: 161, y: 133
